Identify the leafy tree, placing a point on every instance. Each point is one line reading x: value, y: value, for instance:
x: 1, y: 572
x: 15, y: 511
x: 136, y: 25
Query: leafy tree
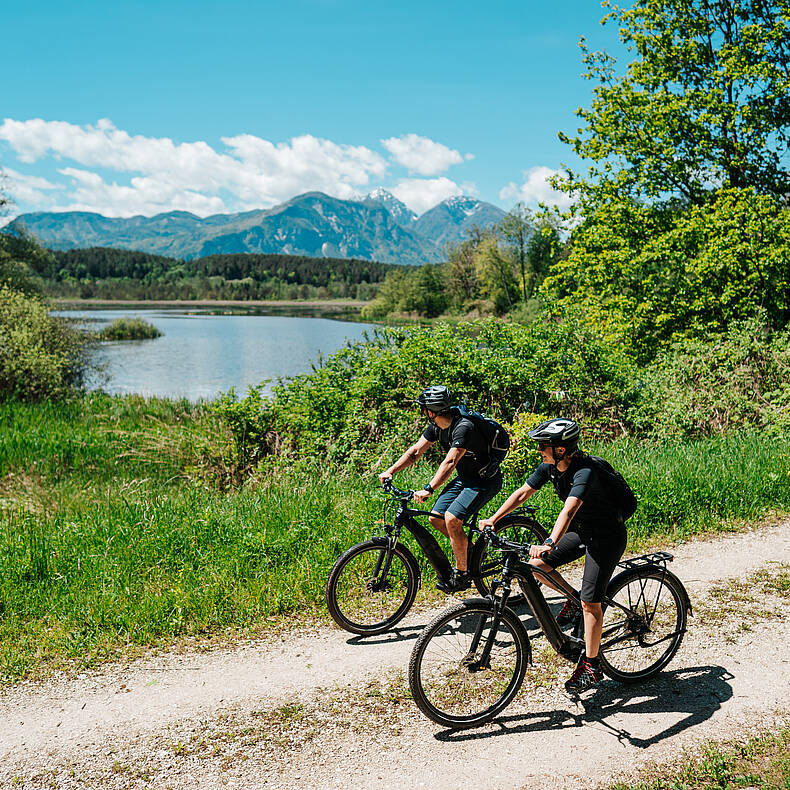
x: 461, y: 271
x: 704, y: 103
x: 648, y: 275
x: 497, y: 273
x: 543, y: 249
x: 517, y: 229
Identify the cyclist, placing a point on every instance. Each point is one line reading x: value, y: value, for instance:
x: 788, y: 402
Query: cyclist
x: 467, y: 454
x: 589, y: 525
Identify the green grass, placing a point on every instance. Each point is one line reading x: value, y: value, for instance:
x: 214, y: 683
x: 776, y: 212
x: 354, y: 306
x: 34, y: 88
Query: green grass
x: 762, y: 762
x: 129, y: 329
x: 114, y: 533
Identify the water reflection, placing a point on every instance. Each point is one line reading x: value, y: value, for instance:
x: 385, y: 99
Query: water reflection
x: 200, y: 354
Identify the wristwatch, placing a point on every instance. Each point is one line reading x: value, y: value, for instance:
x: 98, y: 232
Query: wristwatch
x: 428, y: 487
x: 548, y: 542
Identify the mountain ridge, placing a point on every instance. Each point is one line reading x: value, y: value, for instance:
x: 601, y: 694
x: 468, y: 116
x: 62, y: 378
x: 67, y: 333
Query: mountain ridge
x: 376, y: 227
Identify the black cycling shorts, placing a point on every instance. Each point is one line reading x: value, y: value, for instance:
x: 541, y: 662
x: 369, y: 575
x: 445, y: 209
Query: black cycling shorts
x: 601, y: 553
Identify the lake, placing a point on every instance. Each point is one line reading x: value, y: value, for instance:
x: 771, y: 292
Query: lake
x: 200, y: 355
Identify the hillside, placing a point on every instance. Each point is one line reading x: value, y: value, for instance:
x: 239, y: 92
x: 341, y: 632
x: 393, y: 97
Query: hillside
x: 378, y: 227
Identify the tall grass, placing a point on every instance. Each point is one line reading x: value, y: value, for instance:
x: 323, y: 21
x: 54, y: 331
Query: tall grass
x: 109, y: 535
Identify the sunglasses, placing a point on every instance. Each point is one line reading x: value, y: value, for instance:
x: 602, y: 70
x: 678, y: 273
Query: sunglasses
x: 543, y: 446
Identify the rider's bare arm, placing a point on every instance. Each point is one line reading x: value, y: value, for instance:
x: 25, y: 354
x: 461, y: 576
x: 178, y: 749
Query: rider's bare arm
x: 409, y: 458
x: 518, y: 497
x: 447, y: 466
x: 572, y: 504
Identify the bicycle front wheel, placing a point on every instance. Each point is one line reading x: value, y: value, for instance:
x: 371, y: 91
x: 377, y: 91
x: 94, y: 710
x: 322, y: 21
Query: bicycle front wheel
x: 643, y: 625
x: 366, y: 597
x: 451, y: 682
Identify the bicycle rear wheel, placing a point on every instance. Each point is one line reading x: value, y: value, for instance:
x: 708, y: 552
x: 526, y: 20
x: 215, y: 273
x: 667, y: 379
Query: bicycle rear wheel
x: 486, y: 562
x: 638, y: 643
x: 445, y: 676
x: 361, y: 598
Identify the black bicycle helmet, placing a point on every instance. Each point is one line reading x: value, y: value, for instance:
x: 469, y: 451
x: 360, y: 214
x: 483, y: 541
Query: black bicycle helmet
x: 557, y: 432
x: 437, y: 398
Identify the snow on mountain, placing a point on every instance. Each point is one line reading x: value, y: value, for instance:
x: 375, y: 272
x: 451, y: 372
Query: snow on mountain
x: 401, y: 213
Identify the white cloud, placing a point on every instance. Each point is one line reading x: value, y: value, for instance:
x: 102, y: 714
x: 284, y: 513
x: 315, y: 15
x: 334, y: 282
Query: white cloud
x: 421, y: 155
x: 421, y: 194
x: 166, y: 175
x: 27, y: 189
x: 537, y: 189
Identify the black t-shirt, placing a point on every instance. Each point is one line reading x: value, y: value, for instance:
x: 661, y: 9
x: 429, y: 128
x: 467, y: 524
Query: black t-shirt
x: 461, y: 433
x: 581, y: 480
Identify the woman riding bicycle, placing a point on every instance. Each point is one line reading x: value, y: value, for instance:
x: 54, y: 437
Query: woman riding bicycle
x: 589, y: 525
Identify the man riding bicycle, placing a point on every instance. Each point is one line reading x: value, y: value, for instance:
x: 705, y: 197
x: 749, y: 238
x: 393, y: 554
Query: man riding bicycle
x: 590, y: 525
x: 468, y: 454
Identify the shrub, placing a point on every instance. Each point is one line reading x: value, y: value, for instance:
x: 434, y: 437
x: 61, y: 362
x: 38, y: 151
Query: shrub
x: 129, y: 329
x: 358, y: 406
x: 735, y: 380
x: 40, y: 356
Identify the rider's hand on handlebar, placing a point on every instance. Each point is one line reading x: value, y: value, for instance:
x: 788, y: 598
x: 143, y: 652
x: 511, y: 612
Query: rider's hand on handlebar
x: 486, y: 522
x: 539, y: 551
x: 384, y: 478
x: 421, y: 495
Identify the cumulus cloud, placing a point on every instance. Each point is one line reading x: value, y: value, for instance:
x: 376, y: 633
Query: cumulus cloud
x: 21, y: 188
x: 422, y: 155
x: 421, y: 194
x: 536, y: 189
x: 164, y: 175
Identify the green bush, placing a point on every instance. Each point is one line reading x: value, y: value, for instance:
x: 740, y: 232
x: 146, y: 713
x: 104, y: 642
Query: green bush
x: 40, y: 356
x: 736, y: 380
x: 358, y: 406
x: 129, y: 329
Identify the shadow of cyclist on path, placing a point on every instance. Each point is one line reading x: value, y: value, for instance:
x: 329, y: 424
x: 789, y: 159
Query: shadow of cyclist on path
x: 697, y: 692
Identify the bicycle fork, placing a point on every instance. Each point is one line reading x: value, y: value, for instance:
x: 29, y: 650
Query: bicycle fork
x: 472, y: 663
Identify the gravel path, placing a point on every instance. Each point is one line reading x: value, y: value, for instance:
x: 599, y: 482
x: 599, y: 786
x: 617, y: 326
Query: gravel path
x: 320, y: 709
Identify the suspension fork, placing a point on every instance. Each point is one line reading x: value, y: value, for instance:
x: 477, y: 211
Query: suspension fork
x: 384, y: 560
x: 498, y: 606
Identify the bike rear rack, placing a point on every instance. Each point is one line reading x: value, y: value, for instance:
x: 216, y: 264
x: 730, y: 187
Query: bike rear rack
x: 656, y: 558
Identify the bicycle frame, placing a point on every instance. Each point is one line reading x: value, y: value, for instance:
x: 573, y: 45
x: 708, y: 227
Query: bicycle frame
x: 405, y: 518
x: 566, y: 645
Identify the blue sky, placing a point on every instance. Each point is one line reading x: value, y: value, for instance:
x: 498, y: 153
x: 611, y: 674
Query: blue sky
x: 142, y: 107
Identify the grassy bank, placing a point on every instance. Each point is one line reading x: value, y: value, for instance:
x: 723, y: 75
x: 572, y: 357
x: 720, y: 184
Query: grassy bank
x: 113, y: 532
x: 761, y: 762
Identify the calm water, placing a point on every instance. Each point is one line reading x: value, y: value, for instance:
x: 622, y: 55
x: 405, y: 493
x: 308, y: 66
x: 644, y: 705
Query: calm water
x: 201, y: 355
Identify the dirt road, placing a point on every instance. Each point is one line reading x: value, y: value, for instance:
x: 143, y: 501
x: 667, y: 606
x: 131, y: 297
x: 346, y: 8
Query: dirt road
x: 322, y: 710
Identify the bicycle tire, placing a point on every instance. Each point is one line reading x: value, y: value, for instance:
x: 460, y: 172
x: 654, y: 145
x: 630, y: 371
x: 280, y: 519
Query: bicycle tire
x: 486, y: 562
x: 350, y: 598
x: 639, y: 647
x: 444, y: 683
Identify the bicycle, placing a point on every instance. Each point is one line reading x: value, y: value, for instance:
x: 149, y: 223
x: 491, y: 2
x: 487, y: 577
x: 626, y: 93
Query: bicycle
x: 469, y: 662
x: 372, y: 585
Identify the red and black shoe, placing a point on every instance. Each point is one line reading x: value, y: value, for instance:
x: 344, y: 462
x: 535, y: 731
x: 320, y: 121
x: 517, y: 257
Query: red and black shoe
x: 569, y: 614
x: 584, y: 677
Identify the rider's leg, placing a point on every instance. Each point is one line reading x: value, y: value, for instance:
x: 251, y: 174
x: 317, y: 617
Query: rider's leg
x: 593, y: 625
x: 437, y: 522
x: 569, y: 547
x: 458, y: 539
x: 557, y: 583
x: 599, y: 565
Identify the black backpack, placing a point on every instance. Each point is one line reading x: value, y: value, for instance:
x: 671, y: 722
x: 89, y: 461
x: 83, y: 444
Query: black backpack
x: 496, y: 437
x: 615, y: 486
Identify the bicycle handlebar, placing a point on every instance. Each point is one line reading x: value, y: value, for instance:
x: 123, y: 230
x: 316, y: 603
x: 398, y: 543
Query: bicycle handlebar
x: 405, y: 496
x: 507, y: 545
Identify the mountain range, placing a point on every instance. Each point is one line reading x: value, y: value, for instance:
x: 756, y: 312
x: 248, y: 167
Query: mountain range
x: 377, y: 227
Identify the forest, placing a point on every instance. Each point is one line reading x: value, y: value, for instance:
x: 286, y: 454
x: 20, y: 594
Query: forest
x: 106, y: 273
